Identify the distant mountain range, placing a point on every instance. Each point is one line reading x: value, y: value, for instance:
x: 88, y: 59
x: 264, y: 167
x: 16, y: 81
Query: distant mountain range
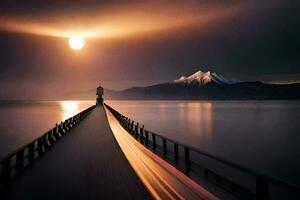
x: 203, y: 78
x: 208, y: 86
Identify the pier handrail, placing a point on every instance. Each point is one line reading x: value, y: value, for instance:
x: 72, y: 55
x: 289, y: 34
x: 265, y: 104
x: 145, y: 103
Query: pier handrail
x: 262, y: 179
x: 247, y: 170
x: 250, y: 171
x: 40, y: 144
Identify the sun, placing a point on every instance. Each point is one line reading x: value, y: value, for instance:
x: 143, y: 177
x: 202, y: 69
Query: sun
x: 76, y: 43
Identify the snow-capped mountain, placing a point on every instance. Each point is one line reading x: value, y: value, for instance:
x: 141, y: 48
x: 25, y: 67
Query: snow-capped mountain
x: 203, y: 78
x: 217, y: 88
x: 217, y: 78
x: 199, y: 77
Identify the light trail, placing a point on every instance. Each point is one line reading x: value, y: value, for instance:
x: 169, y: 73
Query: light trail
x: 161, y: 179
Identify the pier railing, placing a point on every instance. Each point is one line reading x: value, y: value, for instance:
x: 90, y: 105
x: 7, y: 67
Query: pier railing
x: 239, y: 180
x: 28, y: 153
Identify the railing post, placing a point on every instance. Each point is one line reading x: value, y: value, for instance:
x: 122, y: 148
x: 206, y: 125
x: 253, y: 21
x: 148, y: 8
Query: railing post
x: 187, y: 157
x: 131, y: 127
x: 20, y: 159
x: 136, y: 130
x: 147, y: 137
x: 262, y: 192
x: 154, y: 141
x: 66, y: 125
x: 57, y: 130
x: 175, y: 151
x: 31, y: 152
x: 122, y: 120
x: 40, y: 146
x: 128, y: 126
x: 142, y: 134
x: 70, y: 123
x: 127, y: 123
x: 55, y: 133
x: 50, y: 137
x: 46, y: 141
x: 62, y: 129
x: 164, y: 146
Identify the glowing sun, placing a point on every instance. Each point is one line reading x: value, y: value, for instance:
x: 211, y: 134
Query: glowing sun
x: 76, y: 43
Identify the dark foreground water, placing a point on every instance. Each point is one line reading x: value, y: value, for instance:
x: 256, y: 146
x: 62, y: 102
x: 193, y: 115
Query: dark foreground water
x: 263, y: 135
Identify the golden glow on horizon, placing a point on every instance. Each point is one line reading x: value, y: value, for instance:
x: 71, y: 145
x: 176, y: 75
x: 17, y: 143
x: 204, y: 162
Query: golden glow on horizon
x: 122, y: 21
x: 69, y: 105
x: 76, y: 43
x: 70, y: 108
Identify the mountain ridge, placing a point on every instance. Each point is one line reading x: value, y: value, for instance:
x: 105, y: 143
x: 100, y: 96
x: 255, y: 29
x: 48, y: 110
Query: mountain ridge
x: 203, y: 78
x: 213, y: 91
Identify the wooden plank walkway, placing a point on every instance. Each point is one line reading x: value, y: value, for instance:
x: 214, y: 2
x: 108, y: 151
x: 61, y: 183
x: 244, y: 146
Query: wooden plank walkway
x: 162, y: 179
x: 87, y: 164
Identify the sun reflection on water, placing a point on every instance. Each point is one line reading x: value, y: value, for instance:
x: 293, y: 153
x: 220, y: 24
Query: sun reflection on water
x: 69, y: 109
x: 196, y: 115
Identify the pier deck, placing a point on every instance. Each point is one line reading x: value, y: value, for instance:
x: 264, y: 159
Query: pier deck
x: 87, y: 164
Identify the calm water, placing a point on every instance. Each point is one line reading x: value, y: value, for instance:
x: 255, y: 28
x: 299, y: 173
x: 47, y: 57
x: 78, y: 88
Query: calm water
x: 23, y: 121
x: 263, y: 135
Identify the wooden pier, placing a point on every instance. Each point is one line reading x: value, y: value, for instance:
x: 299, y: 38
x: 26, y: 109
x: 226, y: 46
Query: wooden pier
x: 86, y: 164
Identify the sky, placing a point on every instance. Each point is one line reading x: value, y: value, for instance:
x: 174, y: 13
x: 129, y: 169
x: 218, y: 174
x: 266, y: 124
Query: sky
x: 137, y: 43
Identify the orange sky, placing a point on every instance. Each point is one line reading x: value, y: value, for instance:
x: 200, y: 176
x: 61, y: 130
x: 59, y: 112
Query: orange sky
x: 136, y: 43
x: 119, y: 21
